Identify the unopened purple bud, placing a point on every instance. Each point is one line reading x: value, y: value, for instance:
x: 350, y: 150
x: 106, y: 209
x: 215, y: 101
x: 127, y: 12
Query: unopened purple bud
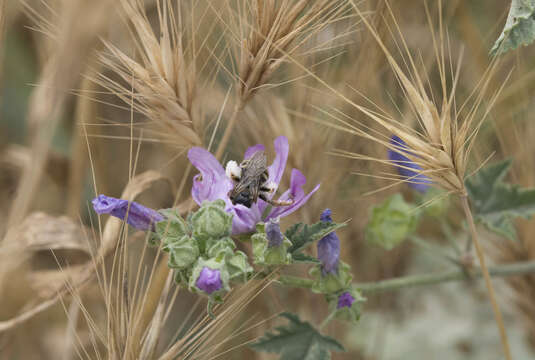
x: 136, y: 215
x: 326, y: 215
x: 273, y: 233
x: 416, y: 179
x: 328, y: 247
x: 345, y: 300
x: 209, y: 280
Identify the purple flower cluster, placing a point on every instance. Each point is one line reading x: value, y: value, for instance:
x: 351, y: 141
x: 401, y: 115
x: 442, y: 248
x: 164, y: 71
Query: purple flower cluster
x: 209, y: 280
x: 328, y: 248
x: 415, y: 178
x: 345, y: 300
x: 135, y: 214
x: 212, y: 183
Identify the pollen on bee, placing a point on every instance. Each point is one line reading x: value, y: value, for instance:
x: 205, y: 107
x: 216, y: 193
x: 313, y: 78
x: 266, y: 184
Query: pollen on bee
x: 233, y: 171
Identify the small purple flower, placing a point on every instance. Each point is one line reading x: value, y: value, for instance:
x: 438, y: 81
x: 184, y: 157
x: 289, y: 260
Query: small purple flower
x: 328, y: 248
x: 345, y: 300
x: 137, y: 215
x: 416, y: 179
x: 209, y: 280
x: 213, y: 183
x: 273, y: 233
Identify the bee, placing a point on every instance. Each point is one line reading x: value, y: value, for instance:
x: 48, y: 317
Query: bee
x: 251, y: 181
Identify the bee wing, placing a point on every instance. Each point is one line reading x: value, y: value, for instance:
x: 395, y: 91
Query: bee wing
x: 256, y: 165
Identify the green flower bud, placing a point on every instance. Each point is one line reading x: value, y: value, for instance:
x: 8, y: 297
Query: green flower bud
x: 346, y: 305
x: 220, y: 248
x: 331, y: 282
x: 182, y: 276
x: 173, y: 226
x: 182, y: 252
x: 214, y: 265
x: 211, y: 221
x: 391, y: 222
x: 238, y: 267
x: 266, y: 251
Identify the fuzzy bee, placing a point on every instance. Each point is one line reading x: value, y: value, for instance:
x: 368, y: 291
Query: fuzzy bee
x: 251, y: 181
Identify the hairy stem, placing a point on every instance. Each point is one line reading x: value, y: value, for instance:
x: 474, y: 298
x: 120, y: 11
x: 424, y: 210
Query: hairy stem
x: 486, y: 276
x: 228, y: 130
x: 514, y: 269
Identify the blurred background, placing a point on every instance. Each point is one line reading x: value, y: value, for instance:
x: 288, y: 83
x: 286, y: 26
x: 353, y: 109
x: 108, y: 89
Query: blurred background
x: 71, y: 128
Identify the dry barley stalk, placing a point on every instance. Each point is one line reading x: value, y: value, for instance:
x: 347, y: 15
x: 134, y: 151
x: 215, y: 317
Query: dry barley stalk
x: 277, y: 29
x: 442, y: 147
x: 160, y: 82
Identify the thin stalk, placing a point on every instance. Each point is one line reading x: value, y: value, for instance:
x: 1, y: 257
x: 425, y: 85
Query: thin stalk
x: 514, y: 269
x: 228, y: 130
x: 486, y: 275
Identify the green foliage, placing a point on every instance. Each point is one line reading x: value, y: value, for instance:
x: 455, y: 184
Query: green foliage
x: 519, y: 28
x: 496, y: 203
x: 302, y: 234
x: 391, y: 222
x: 298, y: 341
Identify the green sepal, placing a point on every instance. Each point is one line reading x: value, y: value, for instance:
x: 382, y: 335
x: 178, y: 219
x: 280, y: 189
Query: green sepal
x: 182, y: 277
x: 211, y: 221
x: 214, y: 265
x: 182, y: 252
x: 238, y: 267
x: 351, y: 314
x: 391, y: 222
x: 263, y: 254
x: 331, y: 282
x: 173, y: 226
x: 220, y: 248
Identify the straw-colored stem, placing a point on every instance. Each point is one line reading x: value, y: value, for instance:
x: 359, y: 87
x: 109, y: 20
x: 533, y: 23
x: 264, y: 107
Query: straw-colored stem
x: 228, y: 130
x: 486, y: 276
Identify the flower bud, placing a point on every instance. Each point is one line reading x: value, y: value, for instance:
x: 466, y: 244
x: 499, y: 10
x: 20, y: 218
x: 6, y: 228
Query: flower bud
x: 346, y: 305
x: 414, y: 177
x: 183, y: 252
x: 238, y: 267
x: 211, y: 221
x: 220, y: 249
x: 209, y: 277
x: 328, y: 247
x: 270, y: 246
x: 135, y: 214
x: 391, y: 222
x: 331, y: 282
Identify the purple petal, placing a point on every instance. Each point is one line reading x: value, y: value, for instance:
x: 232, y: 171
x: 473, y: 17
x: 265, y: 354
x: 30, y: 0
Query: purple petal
x: 415, y: 179
x: 279, y: 164
x: 345, y: 300
x: 326, y: 215
x: 212, y: 183
x: 253, y: 149
x: 136, y: 215
x: 273, y: 233
x: 245, y: 219
x: 329, y: 252
x: 296, y: 193
x: 209, y: 280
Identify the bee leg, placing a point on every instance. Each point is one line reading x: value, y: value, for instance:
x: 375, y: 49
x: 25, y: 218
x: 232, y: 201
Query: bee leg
x: 263, y: 196
x: 268, y: 187
x: 233, y: 171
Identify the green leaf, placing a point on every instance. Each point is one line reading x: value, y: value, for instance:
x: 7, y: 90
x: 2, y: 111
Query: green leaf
x: 519, y: 28
x: 496, y: 203
x: 302, y: 234
x: 298, y: 341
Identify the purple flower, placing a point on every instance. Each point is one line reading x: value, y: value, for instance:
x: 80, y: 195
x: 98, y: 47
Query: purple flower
x: 209, y: 280
x: 416, y: 179
x: 213, y: 183
x: 136, y: 215
x: 328, y: 248
x: 273, y: 233
x: 345, y: 300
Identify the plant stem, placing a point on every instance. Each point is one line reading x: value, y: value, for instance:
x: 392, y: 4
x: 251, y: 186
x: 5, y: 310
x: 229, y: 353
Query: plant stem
x: 228, y: 130
x: 515, y: 269
x: 486, y: 275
